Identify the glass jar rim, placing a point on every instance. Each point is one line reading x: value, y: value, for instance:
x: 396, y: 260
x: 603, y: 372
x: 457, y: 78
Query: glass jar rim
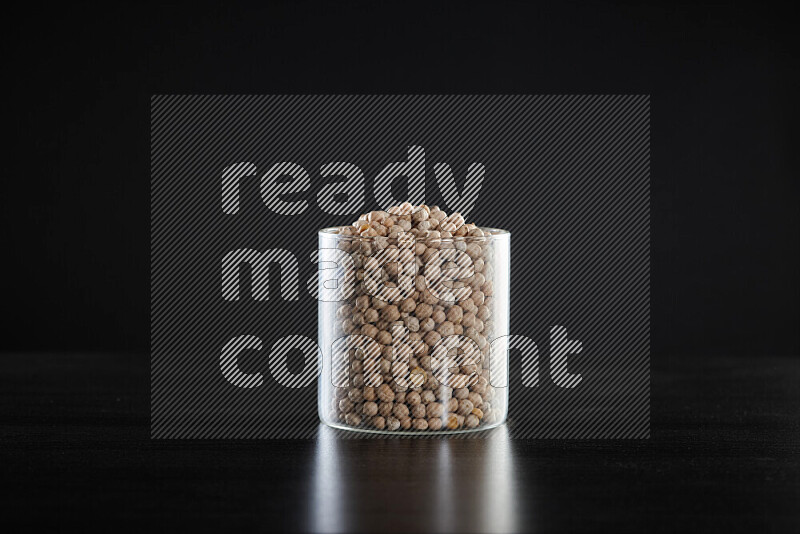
x: 491, y: 234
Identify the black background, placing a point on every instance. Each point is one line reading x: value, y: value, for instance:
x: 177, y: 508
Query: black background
x: 75, y: 445
x: 75, y: 195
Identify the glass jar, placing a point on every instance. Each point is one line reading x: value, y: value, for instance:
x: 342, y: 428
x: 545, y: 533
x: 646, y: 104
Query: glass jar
x: 414, y: 332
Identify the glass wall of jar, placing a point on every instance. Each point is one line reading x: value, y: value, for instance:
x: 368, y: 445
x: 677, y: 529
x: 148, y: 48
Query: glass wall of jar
x: 413, y: 331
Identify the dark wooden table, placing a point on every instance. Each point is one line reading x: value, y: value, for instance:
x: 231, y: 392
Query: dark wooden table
x: 75, y: 451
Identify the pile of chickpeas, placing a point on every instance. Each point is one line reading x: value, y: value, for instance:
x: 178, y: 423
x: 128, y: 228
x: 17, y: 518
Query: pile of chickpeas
x: 374, y: 397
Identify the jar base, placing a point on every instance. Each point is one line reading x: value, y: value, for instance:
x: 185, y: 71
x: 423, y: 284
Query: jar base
x: 412, y: 433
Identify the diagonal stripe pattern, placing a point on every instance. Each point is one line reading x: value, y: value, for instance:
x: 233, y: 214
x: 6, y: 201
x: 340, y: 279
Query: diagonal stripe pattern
x: 240, y: 181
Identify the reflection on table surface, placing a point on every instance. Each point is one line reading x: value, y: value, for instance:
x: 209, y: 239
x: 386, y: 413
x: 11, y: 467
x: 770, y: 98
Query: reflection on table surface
x: 455, y: 483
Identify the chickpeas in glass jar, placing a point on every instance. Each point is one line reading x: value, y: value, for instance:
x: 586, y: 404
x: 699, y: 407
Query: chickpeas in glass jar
x: 413, y: 323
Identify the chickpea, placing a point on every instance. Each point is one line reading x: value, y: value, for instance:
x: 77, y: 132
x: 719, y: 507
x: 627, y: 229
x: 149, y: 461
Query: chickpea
x: 488, y: 288
x: 371, y: 315
x: 469, y: 369
x: 479, y: 387
x: 474, y: 250
x: 399, y: 369
x: 400, y: 411
x: 452, y: 422
x: 488, y: 328
x: 432, y: 383
x: 391, y: 269
x: 413, y: 399
x: 471, y: 421
x: 420, y: 424
x: 369, y: 330
x: 385, y: 393
x: 465, y: 407
x: 344, y: 311
x: 435, y: 409
x: 428, y: 297
x: 461, y: 393
x: 432, y: 338
x: 434, y: 424
x: 346, y: 405
x: 421, y: 214
x: 384, y: 338
x: 479, y: 326
x: 362, y: 302
x: 403, y: 351
x: 355, y: 395
x: 445, y: 329
x: 471, y: 333
x: 475, y: 399
x: 385, y: 408
x: 452, y: 405
x: 373, y: 379
x: 347, y: 326
x: 392, y: 423
x: 419, y: 284
x: 455, y: 314
x: 369, y: 409
x: 408, y: 305
x: 427, y: 325
x: 468, y: 305
x: 477, y: 281
x: 390, y: 313
x: 369, y: 365
x: 376, y: 216
x: 461, y: 381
